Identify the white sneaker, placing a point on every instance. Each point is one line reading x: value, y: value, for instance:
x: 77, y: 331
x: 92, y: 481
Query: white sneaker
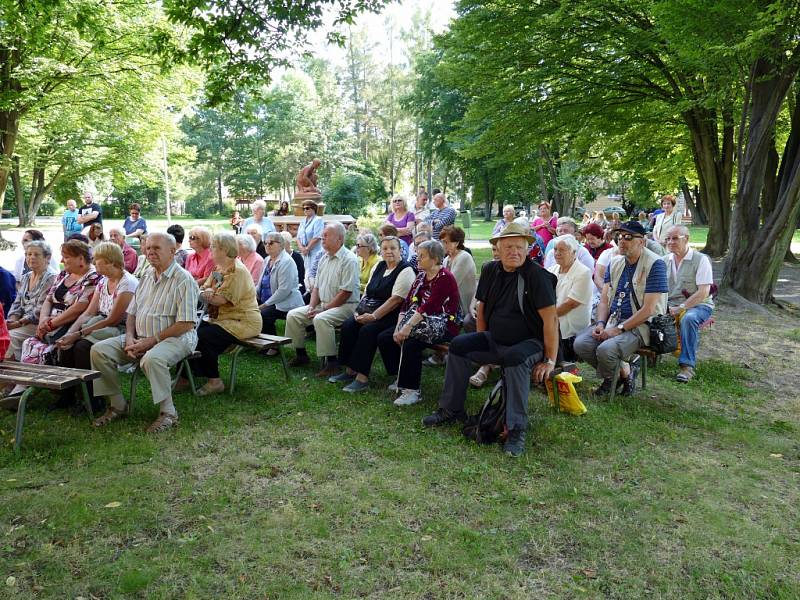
x: 392, y: 387
x: 408, y: 397
x: 434, y: 360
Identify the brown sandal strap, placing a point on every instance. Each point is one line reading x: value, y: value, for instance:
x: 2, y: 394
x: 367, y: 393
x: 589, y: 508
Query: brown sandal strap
x: 111, y: 414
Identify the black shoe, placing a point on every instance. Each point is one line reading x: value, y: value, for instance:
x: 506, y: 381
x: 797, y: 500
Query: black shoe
x: 66, y: 400
x: 515, y: 443
x: 604, y: 389
x: 629, y: 384
x: 299, y: 360
x: 442, y: 416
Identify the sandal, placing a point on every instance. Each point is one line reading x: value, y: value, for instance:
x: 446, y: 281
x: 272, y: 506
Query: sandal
x: 479, y: 379
x: 111, y: 414
x: 163, y: 422
x: 209, y: 389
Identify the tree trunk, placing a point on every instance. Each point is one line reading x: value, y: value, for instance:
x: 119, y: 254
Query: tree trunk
x: 219, y: 187
x: 698, y: 217
x: 542, y: 180
x: 715, y: 172
x: 757, y: 250
x: 487, y: 195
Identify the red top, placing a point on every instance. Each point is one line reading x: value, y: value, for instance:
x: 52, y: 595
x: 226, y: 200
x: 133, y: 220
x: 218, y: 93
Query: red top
x: 200, y: 264
x: 129, y: 257
x: 435, y: 297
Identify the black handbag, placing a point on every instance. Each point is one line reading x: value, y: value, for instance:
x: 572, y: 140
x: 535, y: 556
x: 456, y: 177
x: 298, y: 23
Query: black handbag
x: 368, y: 305
x: 663, y: 330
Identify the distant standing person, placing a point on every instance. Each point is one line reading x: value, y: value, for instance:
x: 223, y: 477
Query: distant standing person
x: 544, y: 225
x: 89, y: 214
x: 134, y: 225
x: 69, y: 221
x: 421, y: 210
x: 442, y: 215
x: 259, y: 218
x: 282, y: 210
x: 309, y: 234
x: 666, y: 220
x: 178, y: 233
x: 402, y: 218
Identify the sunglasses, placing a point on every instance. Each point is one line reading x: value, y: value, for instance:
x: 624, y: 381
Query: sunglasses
x: 194, y: 237
x: 308, y: 208
x: 626, y: 236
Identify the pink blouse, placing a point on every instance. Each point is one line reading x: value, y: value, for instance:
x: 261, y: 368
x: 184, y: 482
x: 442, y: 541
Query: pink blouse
x: 200, y: 264
x: 254, y: 264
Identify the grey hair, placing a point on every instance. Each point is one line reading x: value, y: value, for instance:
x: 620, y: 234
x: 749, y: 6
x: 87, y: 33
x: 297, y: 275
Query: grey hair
x: 167, y: 236
x: 275, y: 236
x: 259, y: 204
x: 424, y: 226
x: 338, y: 228
x: 424, y: 233
x: 255, y: 226
x: 567, y: 239
x: 287, y: 240
x: 567, y: 221
x: 119, y: 230
x: 434, y: 249
x: 681, y: 229
x: 47, y: 252
x: 509, y: 207
x: 369, y: 240
x: 227, y: 242
x: 247, y: 241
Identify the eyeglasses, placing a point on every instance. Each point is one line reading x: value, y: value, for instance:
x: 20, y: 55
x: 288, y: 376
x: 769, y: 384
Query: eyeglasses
x: 308, y: 208
x: 272, y: 242
x: 674, y: 238
x: 626, y: 236
x: 194, y: 237
x: 361, y: 246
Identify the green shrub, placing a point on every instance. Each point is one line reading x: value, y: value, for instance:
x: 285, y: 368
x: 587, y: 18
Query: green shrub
x: 48, y: 208
x: 351, y: 192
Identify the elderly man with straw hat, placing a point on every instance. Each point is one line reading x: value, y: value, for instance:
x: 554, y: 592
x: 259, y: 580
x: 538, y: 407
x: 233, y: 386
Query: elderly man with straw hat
x: 517, y: 327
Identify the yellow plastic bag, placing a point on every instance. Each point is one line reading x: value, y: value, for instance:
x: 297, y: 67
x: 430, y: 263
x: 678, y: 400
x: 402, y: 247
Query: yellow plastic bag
x: 568, y: 399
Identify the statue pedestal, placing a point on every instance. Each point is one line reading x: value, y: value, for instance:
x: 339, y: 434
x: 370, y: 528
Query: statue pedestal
x: 300, y: 197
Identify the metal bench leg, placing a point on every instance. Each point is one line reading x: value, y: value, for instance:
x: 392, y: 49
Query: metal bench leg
x: 134, y: 380
x: 614, y: 381
x: 188, y: 368
x: 285, y: 365
x: 234, y: 358
x: 87, y: 402
x: 644, y: 372
x: 23, y: 401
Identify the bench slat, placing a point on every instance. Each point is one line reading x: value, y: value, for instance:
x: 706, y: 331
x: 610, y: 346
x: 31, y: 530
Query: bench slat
x: 42, y: 370
x: 52, y: 382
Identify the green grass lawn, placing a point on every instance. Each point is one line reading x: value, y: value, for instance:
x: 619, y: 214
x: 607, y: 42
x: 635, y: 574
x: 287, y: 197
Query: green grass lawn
x: 301, y: 490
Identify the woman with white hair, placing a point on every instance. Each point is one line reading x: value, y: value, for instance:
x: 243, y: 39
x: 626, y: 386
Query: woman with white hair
x: 249, y: 256
x: 277, y: 290
x: 367, y: 252
x: 573, y: 292
x: 259, y: 218
x: 402, y: 218
x: 508, y: 218
x: 254, y: 231
x: 298, y: 260
x: 231, y: 298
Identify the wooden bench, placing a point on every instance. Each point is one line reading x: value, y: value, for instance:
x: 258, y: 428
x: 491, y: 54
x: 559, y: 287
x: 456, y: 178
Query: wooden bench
x: 181, y: 367
x: 261, y: 342
x: 648, y: 356
x: 43, y: 376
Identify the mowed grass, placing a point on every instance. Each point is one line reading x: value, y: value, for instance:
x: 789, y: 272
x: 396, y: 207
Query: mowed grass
x: 301, y: 490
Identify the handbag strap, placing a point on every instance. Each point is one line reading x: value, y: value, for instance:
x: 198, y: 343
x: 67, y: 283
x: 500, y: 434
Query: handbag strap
x: 520, y: 291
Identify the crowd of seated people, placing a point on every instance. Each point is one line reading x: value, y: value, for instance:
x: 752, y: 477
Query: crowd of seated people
x: 399, y: 292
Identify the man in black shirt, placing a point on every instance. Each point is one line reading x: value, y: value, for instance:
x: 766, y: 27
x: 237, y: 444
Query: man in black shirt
x: 517, y: 327
x: 89, y: 214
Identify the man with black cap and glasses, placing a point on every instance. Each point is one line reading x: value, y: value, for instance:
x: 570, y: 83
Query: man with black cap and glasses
x: 634, y: 291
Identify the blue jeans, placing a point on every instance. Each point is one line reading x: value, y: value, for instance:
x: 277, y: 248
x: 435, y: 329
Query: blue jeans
x: 690, y: 326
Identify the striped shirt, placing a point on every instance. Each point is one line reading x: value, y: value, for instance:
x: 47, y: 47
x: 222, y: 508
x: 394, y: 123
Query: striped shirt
x: 160, y: 303
x: 338, y: 272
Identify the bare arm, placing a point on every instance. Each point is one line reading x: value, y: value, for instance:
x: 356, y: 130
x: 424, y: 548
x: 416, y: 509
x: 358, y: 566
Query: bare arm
x: 542, y: 370
x: 566, y: 306
x: 701, y: 294
x: 480, y: 319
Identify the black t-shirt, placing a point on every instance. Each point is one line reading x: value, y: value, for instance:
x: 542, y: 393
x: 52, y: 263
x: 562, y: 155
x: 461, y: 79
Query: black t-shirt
x: 497, y: 290
x: 85, y: 210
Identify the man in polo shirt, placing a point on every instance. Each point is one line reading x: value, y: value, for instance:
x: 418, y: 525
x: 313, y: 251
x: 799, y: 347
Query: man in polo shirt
x: 690, y: 278
x: 160, y: 331
x: 634, y: 290
x: 516, y: 330
x: 334, y: 298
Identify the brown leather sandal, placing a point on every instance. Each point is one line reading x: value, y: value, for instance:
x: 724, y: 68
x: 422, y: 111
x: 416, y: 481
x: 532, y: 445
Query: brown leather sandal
x: 111, y: 414
x: 164, y: 422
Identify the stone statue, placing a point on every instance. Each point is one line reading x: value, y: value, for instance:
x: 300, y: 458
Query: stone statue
x: 307, y: 178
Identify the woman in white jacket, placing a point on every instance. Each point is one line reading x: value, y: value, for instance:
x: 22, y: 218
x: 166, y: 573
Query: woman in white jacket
x: 277, y: 289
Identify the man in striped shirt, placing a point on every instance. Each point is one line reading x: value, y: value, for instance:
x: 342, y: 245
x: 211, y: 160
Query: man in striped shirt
x: 160, y: 331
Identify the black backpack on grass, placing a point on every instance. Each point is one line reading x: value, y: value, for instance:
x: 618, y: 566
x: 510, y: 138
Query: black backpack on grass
x: 489, y: 425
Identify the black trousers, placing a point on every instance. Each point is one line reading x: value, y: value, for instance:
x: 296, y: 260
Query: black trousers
x: 212, y: 340
x: 269, y: 316
x: 409, y: 370
x: 76, y: 357
x: 358, y: 343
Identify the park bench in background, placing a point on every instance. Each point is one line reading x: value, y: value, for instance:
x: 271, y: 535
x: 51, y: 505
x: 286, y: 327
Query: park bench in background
x: 43, y: 376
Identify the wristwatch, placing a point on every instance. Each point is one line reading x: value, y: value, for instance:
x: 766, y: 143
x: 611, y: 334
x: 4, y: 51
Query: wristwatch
x: 621, y: 327
x: 550, y: 362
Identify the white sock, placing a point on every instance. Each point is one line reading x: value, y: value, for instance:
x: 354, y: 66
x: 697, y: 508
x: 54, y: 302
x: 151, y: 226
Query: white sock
x: 118, y: 402
x: 18, y: 389
x: 168, y: 407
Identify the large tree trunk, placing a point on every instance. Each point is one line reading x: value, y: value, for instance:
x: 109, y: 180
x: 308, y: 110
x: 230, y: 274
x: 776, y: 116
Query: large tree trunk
x: 542, y: 180
x: 715, y: 172
x: 757, y: 250
x: 487, y: 195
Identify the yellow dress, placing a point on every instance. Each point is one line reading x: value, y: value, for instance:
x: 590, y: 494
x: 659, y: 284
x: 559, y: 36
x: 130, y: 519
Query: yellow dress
x: 240, y: 315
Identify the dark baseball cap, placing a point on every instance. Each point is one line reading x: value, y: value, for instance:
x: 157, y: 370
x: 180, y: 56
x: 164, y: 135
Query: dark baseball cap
x: 633, y: 227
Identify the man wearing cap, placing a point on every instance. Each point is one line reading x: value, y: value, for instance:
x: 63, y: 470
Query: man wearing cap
x: 690, y: 278
x: 635, y: 289
x: 517, y: 327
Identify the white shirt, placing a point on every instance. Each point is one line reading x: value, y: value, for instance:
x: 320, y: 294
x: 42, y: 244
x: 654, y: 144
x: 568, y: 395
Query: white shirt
x: 128, y: 283
x: 582, y: 254
x: 705, y: 274
x: 577, y: 285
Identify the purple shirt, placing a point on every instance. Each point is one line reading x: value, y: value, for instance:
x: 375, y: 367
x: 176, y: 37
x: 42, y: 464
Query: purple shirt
x: 408, y: 218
